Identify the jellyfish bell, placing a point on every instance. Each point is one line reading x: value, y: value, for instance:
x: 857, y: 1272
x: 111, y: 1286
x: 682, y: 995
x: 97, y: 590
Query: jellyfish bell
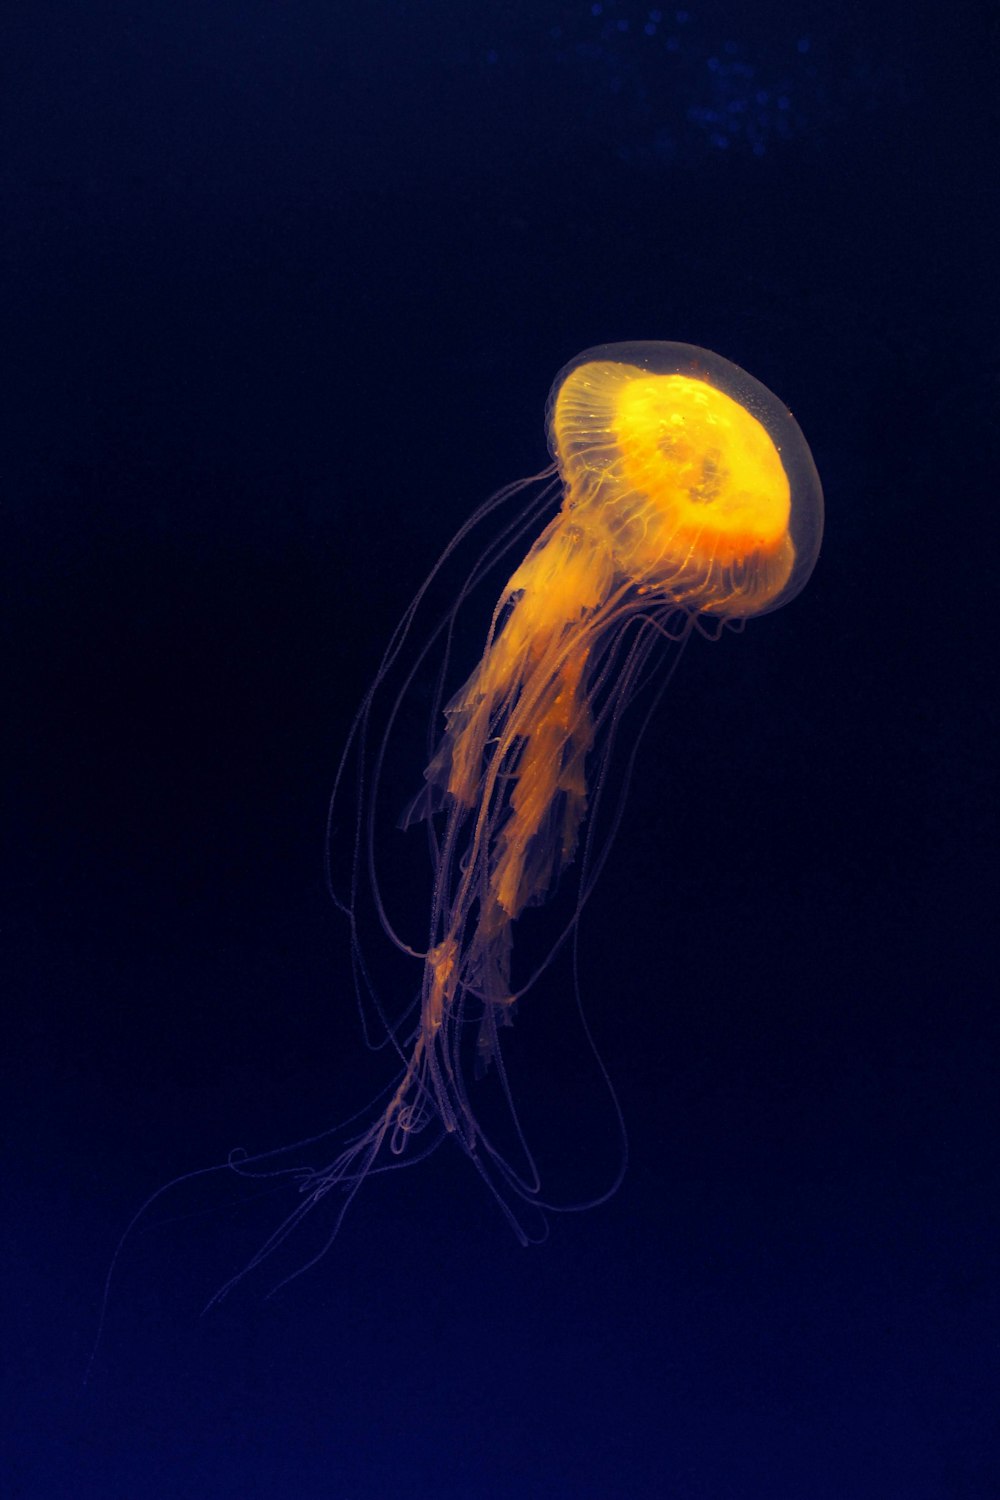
x: 699, y: 475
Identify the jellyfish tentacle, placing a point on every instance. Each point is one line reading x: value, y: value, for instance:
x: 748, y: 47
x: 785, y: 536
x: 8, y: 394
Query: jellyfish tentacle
x: 514, y: 749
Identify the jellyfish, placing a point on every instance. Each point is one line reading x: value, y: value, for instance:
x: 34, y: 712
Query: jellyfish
x: 681, y: 498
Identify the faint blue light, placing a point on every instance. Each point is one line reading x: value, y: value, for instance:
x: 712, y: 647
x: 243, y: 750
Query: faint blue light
x: 656, y: 16
x: 762, y: 96
x: 803, y: 45
x: 623, y: 25
x: 682, y: 17
x: 784, y: 102
x: 597, y: 10
x: 731, y: 48
x: 673, y: 43
x: 650, y: 28
x: 492, y: 56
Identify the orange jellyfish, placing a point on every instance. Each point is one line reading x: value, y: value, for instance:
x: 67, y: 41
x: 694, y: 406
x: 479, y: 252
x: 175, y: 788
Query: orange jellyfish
x: 685, y: 498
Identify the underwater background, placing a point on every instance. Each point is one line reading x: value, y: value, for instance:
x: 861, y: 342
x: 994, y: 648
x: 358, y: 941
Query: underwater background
x: 284, y: 290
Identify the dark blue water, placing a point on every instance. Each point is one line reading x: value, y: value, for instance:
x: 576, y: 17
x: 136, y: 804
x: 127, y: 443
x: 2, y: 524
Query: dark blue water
x: 285, y: 288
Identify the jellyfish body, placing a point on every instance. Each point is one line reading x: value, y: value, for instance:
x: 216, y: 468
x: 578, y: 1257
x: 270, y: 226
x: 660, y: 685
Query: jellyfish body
x: 687, y: 499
